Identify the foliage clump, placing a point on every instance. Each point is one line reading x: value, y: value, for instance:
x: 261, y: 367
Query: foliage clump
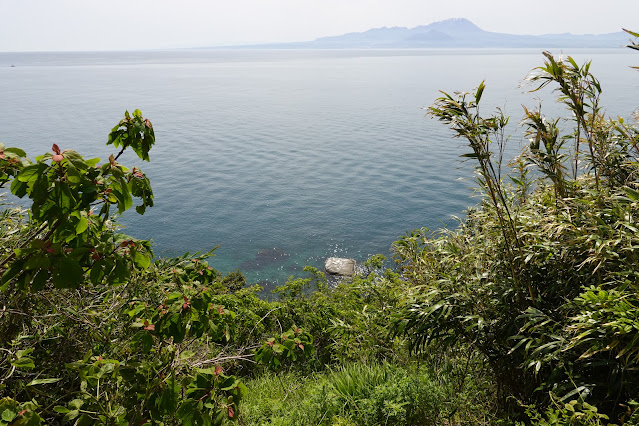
x: 541, y: 277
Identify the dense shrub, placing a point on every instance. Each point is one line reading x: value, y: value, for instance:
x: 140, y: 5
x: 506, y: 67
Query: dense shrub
x: 541, y: 277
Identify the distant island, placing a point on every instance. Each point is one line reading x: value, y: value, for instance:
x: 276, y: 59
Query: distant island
x: 450, y: 33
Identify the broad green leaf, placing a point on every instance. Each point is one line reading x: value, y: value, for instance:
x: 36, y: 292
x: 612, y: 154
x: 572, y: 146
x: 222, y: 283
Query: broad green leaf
x: 37, y: 261
x: 186, y: 412
x: 67, y: 273
x: 39, y: 280
x: 82, y: 225
x: 17, y: 151
x: 75, y: 159
x: 71, y: 415
x: 92, y: 162
x: 169, y: 398
x: 73, y: 175
x: 141, y: 260
x: 24, y: 362
x: 8, y: 415
x: 31, y: 173
x: 76, y: 403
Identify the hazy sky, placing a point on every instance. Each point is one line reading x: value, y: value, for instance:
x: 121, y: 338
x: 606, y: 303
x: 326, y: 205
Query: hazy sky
x: 28, y: 25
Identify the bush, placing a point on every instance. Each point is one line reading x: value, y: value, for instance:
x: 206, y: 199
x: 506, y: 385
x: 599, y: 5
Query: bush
x: 541, y: 277
x: 91, y: 331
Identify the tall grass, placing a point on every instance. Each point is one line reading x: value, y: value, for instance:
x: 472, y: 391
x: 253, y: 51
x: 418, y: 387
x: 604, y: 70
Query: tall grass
x: 354, y: 394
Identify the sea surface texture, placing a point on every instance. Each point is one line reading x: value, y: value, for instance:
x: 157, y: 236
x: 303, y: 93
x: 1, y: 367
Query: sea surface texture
x: 283, y: 158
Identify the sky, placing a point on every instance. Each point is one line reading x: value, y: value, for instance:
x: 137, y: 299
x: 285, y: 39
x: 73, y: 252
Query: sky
x: 71, y: 25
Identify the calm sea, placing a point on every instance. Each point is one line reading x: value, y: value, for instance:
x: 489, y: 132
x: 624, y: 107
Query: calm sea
x: 282, y: 158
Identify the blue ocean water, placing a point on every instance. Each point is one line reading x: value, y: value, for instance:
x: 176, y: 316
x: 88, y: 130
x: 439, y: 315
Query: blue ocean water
x: 282, y: 158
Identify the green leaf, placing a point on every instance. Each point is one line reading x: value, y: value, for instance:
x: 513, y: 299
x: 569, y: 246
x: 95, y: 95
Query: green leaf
x: 24, y: 352
x: 92, y: 162
x: 17, y: 151
x: 169, y: 398
x: 228, y: 383
x: 186, y: 355
x: 76, y: 403
x: 39, y: 280
x: 8, y: 415
x: 9, y: 274
x: 82, y: 225
x: 186, y: 412
x: 42, y: 381
x: 71, y: 415
x: 67, y: 273
x: 18, y: 188
x: 147, y: 342
x: 31, y: 173
x: 141, y: 260
x: 634, y: 34
x: 73, y: 175
x: 480, y: 91
x: 631, y: 193
x: 37, y: 261
x: 76, y: 159
x: 23, y: 362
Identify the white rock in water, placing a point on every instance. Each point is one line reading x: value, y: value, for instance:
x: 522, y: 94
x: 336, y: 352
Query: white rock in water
x: 340, y: 266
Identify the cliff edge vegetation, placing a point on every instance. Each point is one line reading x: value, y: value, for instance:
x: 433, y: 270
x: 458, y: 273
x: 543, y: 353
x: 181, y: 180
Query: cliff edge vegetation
x: 527, y: 313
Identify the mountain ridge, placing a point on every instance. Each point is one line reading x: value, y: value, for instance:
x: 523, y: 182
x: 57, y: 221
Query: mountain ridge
x: 451, y: 33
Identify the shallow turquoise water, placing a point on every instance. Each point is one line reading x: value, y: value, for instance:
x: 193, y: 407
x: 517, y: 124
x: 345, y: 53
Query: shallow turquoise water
x: 282, y: 157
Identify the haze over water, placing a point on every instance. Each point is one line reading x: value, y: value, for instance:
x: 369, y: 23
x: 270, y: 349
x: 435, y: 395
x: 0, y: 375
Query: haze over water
x: 282, y: 157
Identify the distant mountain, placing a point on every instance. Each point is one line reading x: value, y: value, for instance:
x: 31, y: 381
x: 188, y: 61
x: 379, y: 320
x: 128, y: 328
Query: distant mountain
x: 453, y: 33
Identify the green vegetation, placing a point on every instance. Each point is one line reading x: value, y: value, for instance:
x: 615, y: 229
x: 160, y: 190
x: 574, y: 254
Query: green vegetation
x: 527, y: 312
x: 541, y: 278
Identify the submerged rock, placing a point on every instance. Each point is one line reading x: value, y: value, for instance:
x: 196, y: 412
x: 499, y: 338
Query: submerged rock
x: 340, y: 266
x: 264, y: 258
